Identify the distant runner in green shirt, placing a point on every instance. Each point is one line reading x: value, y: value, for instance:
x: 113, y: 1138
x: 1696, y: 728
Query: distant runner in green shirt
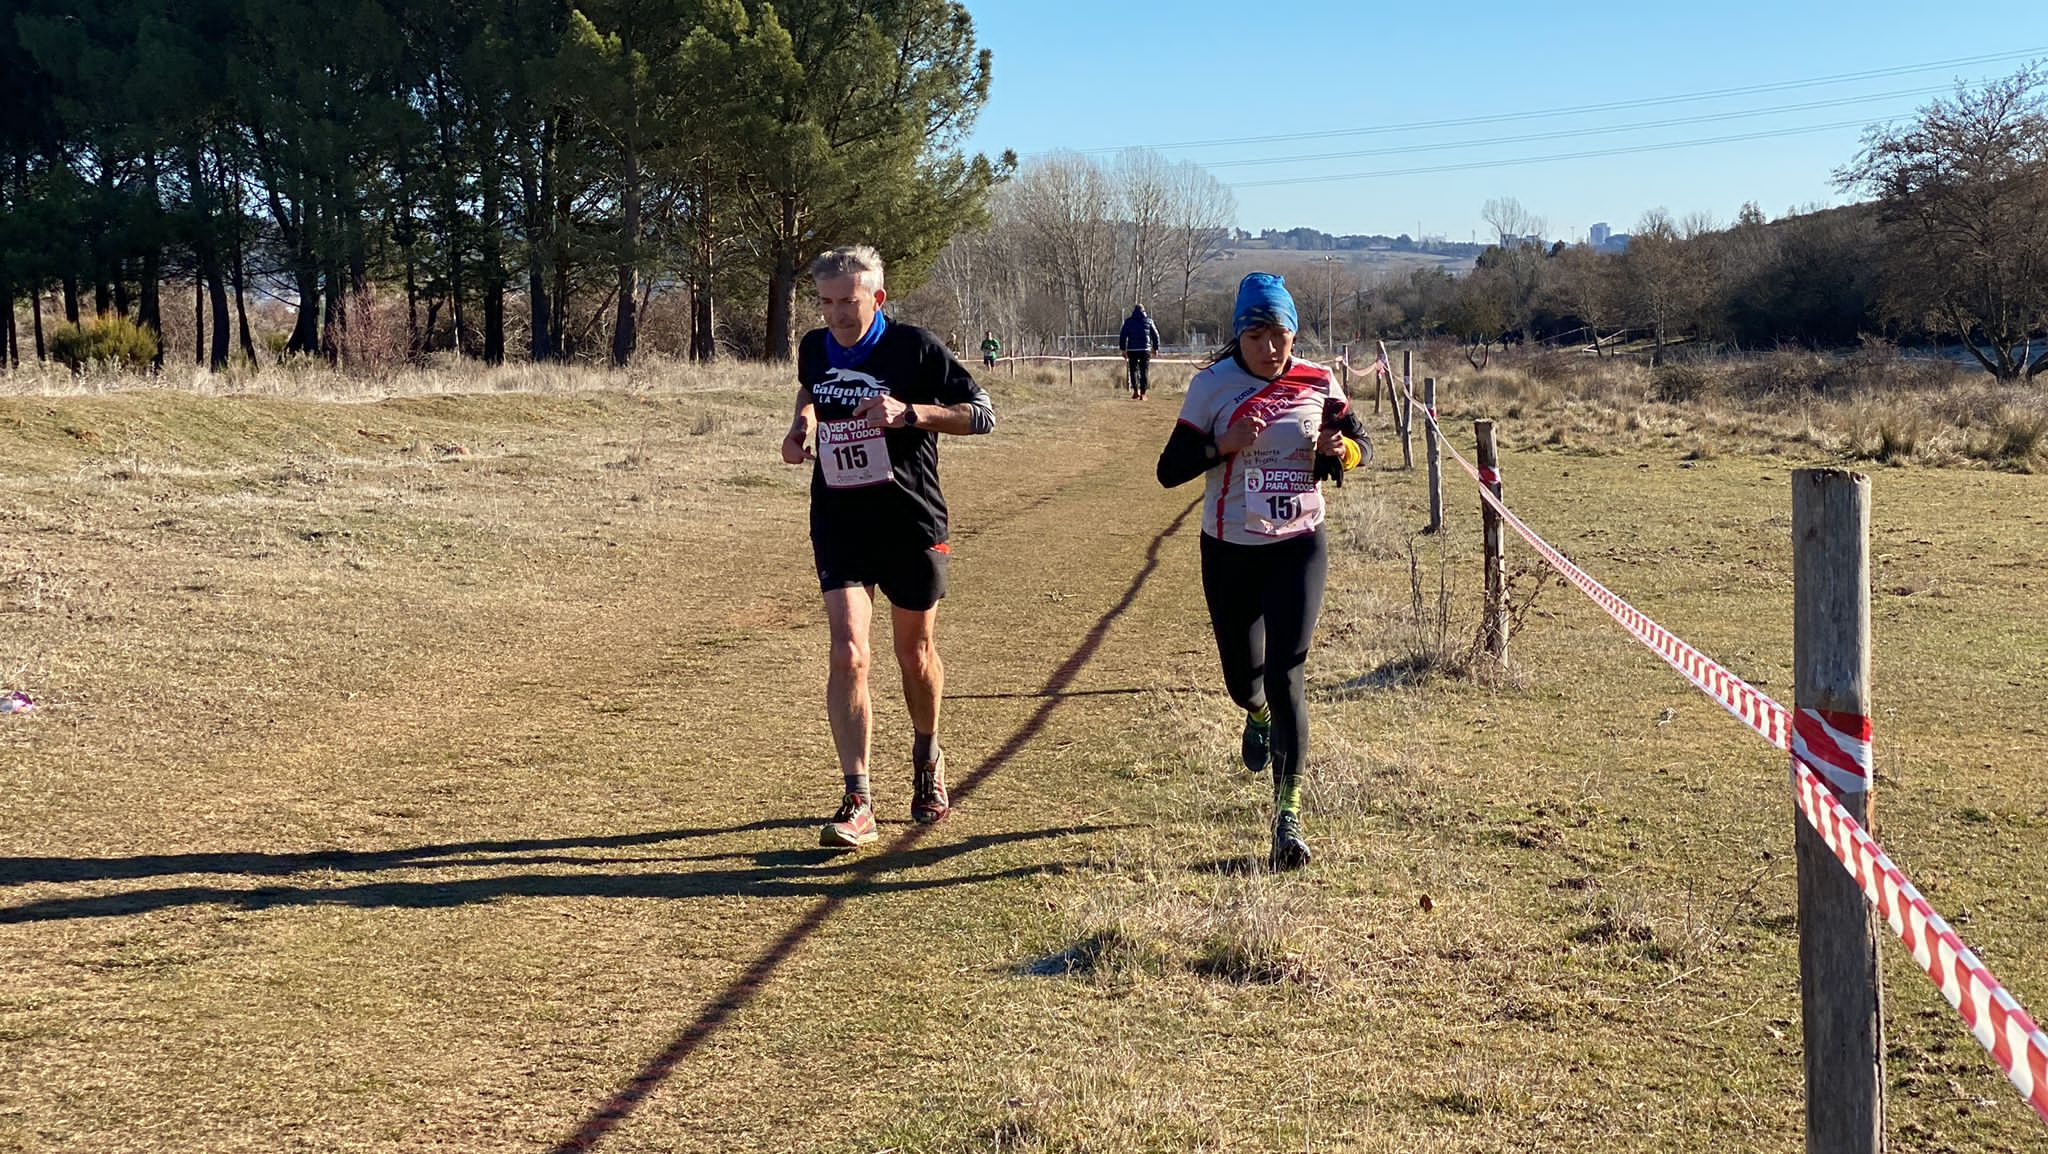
x: 991, y: 348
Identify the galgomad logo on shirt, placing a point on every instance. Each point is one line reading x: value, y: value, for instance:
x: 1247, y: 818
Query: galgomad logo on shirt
x: 847, y: 387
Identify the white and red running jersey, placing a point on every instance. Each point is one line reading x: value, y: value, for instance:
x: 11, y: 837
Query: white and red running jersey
x: 1268, y: 492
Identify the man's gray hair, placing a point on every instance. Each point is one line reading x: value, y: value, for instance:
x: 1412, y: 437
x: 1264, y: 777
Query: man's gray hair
x: 857, y: 260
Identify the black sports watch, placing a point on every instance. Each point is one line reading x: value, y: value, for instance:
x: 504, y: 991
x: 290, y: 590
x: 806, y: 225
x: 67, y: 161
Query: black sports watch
x: 910, y: 416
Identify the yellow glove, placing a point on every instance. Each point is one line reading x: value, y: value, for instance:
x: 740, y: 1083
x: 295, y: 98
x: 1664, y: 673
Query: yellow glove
x: 1353, y: 455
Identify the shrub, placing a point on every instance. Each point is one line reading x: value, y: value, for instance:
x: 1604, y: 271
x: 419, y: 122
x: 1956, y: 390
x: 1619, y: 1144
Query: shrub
x: 1680, y: 382
x: 112, y: 341
x: 2021, y: 434
x: 1890, y: 432
x: 1553, y: 365
x: 1786, y: 372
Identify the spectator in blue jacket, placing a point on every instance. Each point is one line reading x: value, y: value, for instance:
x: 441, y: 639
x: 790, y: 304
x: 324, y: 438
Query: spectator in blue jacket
x: 1138, y: 341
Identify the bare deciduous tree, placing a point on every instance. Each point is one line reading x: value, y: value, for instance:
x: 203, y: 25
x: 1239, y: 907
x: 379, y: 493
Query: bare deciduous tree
x: 1203, y: 211
x: 1144, y: 188
x: 1662, y: 278
x: 1583, y: 286
x: 1068, y: 242
x: 1963, y: 194
x: 1066, y: 202
x: 1509, y: 221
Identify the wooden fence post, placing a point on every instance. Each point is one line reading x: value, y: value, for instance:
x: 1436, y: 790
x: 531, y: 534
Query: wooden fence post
x: 1493, y: 625
x: 1404, y: 408
x: 1434, y: 454
x: 1376, y: 382
x: 1840, y: 996
x: 1070, y: 371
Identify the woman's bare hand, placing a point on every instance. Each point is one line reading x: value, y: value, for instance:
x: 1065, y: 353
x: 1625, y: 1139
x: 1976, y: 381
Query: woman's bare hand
x: 1240, y: 435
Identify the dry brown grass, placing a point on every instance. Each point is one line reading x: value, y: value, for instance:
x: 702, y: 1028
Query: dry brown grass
x: 314, y: 379
x: 392, y: 798
x: 1874, y: 405
x: 1582, y: 867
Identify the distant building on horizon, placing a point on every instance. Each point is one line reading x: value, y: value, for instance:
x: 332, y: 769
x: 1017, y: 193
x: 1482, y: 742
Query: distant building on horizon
x: 1599, y: 234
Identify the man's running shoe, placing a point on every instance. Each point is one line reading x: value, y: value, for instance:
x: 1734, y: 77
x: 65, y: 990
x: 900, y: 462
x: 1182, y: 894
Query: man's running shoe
x: 929, y: 802
x: 1290, y: 849
x: 1257, y: 745
x: 853, y: 825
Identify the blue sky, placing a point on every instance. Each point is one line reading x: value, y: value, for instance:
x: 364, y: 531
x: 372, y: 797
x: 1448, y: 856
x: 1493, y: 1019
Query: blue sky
x: 1100, y: 76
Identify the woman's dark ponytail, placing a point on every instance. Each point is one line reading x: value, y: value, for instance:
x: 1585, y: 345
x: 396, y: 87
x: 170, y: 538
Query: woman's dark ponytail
x: 1226, y: 353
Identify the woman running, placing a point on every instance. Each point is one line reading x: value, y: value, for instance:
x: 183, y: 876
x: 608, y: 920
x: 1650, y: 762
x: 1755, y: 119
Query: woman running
x: 1263, y: 429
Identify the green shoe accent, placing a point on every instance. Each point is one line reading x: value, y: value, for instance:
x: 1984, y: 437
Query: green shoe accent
x: 1287, y: 793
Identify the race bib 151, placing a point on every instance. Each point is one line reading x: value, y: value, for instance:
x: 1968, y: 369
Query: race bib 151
x: 1281, y: 500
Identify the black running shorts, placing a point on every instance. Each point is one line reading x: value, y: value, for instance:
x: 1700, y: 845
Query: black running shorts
x: 913, y: 579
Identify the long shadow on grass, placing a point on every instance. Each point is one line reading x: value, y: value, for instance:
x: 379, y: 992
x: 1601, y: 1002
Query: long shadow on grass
x: 16, y: 871
x: 744, y: 988
x: 1043, y: 694
x: 777, y: 873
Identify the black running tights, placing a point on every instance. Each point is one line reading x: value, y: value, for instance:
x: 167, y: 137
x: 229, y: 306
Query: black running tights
x: 1263, y: 601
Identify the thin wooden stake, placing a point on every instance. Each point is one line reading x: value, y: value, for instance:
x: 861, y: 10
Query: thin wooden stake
x: 1379, y: 382
x: 1434, y: 455
x: 1405, y: 406
x: 1841, y: 997
x: 1493, y: 626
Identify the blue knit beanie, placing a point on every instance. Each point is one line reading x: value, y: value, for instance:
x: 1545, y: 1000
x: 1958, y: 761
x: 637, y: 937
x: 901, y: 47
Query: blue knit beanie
x: 1262, y: 299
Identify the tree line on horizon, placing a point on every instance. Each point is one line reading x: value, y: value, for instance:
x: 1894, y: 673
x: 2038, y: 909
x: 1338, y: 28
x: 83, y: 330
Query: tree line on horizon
x: 504, y: 178
x: 1952, y: 245
x: 1070, y: 243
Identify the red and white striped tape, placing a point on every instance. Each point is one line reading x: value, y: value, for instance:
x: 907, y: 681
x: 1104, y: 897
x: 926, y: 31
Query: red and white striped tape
x: 1835, y: 744
x: 1997, y: 1021
x: 1737, y: 696
x: 1830, y: 755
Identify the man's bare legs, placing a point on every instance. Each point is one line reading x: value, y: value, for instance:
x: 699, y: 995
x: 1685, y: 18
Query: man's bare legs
x: 849, y: 704
x: 849, y: 612
x: 924, y: 675
x: 924, y: 690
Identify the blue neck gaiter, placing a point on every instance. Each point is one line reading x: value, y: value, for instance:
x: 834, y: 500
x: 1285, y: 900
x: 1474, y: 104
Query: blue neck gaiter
x: 839, y: 357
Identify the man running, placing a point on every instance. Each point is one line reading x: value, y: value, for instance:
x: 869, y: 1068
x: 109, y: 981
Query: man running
x: 991, y: 348
x: 1139, y: 339
x: 871, y: 399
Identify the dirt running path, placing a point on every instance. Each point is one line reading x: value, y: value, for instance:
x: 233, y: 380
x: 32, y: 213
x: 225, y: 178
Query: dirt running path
x: 557, y: 889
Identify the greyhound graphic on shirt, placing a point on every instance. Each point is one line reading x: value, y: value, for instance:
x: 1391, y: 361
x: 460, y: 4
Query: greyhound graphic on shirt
x: 847, y: 387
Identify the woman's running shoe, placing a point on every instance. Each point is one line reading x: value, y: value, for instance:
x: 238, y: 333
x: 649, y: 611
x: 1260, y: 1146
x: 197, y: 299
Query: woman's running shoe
x: 1256, y: 747
x: 852, y: 826
x: 1290, y: 849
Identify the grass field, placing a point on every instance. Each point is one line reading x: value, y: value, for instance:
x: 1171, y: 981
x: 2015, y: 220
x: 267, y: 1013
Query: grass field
x: 439, y: 771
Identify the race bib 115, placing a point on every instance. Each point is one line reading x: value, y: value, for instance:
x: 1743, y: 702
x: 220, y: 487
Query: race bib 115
x: 853, y: 453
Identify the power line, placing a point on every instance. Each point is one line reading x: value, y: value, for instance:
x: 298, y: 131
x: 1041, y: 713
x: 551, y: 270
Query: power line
x: 1569, y: 133
x: 1575, y: 110
x: 1526, y: 160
